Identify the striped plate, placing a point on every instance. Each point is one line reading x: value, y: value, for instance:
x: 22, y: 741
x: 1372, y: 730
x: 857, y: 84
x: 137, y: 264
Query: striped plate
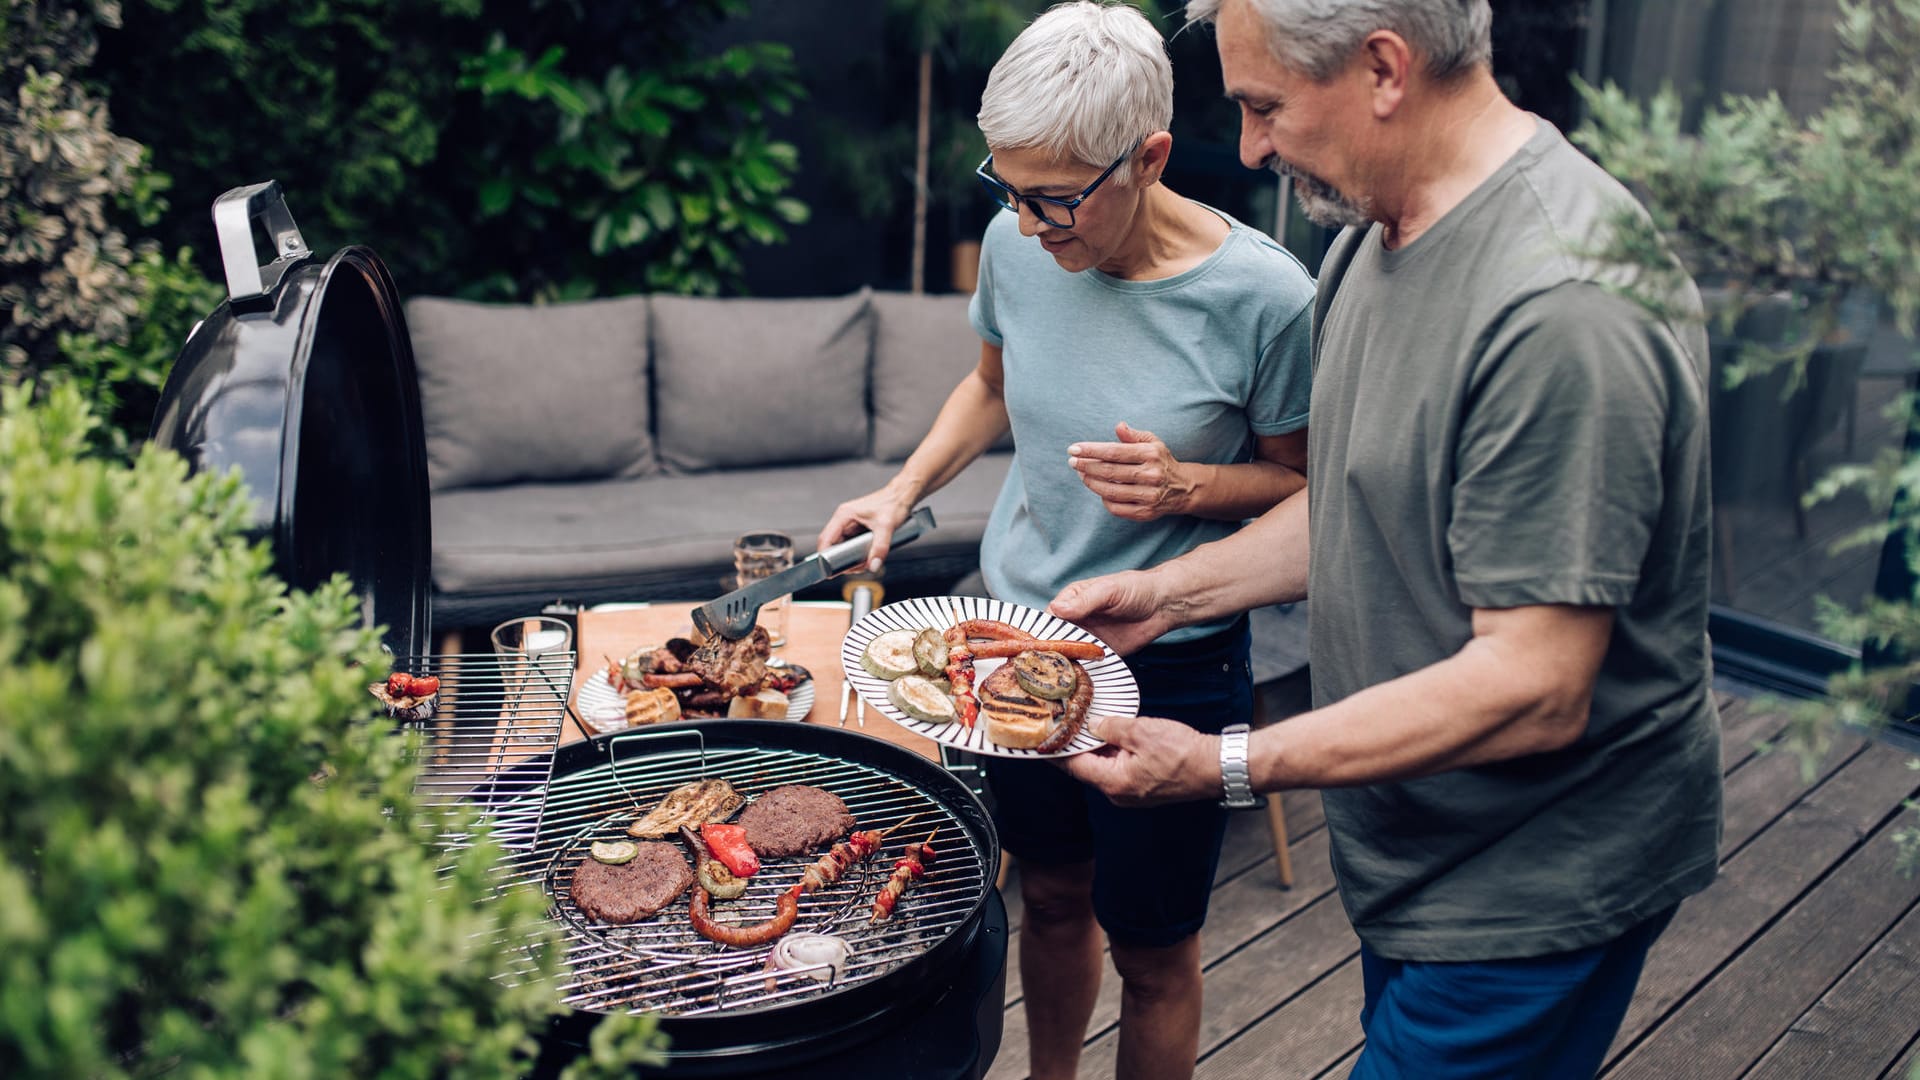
x: 1114, y: 691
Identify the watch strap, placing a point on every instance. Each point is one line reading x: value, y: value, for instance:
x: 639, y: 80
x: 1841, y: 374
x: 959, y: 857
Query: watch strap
x: 1236, y: 778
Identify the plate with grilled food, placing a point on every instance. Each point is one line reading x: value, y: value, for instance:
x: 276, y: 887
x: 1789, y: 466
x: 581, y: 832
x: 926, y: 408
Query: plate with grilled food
x: 987, y: 676
x: 679, y: 680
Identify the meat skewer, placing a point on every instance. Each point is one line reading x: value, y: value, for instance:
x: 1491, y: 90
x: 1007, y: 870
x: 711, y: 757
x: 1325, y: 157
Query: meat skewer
x: 911, y: 868
x: 830, y: 867
x: 960, y: 673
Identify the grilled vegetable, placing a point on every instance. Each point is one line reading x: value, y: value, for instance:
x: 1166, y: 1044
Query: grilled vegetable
x: 729, y: 844
x: 890, y: 655
x: 614, y: 852
x: 1046, y: 674
x: 714, y: 878
x: 918, y: 697
x: 930, y: 652
x: 823, y: 956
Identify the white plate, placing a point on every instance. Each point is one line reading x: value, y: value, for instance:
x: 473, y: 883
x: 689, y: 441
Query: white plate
x: 598, y: 694
x: 1114, y: 691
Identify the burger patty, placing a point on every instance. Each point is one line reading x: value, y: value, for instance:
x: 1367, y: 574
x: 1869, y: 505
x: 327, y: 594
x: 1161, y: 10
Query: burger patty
x: 632, y: 890
x: 793, y: 819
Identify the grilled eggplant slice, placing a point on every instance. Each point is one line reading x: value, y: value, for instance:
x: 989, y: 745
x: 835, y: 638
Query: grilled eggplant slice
x: 1046, y: 674
x: 916, y: 696
x: 930, y: 652
x: 890, y: 655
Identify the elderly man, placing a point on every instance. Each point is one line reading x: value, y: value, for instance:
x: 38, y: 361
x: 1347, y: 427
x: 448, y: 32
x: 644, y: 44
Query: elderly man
x: 1507, y: 470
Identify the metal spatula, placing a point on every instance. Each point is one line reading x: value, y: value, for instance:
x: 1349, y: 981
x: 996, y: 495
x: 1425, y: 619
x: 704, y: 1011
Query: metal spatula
x: 733, y: 615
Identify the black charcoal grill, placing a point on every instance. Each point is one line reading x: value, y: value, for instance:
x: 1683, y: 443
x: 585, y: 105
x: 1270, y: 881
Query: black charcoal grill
x: 304, y: 381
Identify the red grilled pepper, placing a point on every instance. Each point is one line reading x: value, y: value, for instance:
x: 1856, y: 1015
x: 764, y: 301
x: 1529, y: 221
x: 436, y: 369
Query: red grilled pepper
x: 729, y: 844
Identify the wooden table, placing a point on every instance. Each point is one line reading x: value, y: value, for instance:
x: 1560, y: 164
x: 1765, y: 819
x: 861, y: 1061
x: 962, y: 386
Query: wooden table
x: 814, y: 633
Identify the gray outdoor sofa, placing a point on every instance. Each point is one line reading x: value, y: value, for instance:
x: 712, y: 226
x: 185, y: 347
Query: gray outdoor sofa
x: 613, y: 449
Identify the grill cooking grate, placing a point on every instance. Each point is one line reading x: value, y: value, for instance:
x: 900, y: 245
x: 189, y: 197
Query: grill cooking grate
x: 661, y: 965
x: 490, y: 743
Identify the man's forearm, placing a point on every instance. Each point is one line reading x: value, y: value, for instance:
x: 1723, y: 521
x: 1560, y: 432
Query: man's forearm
x: 1264, y: 563
x: 1492, y: 701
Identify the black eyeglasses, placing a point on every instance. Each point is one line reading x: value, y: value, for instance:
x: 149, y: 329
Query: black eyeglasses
x: 1010, y: 199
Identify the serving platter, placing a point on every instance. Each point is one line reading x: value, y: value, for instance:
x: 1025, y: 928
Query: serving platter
x: 597, y: 697
x: 1115, y: 693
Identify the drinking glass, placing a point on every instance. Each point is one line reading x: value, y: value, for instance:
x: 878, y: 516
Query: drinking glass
x: 762, y: 554
x: 533, y: 648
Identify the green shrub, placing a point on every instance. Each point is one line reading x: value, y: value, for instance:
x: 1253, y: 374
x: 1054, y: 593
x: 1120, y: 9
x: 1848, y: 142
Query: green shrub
x: 211, y: 862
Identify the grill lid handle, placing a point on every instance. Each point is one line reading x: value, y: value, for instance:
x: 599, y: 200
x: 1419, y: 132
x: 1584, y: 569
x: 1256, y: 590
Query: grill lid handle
x: 233, y: 217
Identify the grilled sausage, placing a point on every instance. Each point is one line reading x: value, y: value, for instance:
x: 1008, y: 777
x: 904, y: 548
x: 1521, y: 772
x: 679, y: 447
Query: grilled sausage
x: 786, y: 910
x: 1072, y: 650
x: 993, y: 629
x: 1074, y: 717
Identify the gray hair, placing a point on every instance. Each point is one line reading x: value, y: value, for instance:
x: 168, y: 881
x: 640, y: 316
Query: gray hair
x: 1085, y: 81
x: 1318, y: 37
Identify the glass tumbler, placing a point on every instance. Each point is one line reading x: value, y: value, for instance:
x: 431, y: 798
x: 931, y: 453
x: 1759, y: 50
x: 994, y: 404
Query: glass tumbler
x: 534, y: 667
x: 762, y: 554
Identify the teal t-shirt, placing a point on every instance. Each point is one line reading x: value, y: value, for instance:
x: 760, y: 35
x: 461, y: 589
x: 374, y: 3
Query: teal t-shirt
x: 1205, y: 360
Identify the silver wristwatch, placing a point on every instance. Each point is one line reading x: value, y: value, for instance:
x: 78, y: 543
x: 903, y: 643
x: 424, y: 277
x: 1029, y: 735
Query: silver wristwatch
x: 1234, y: 775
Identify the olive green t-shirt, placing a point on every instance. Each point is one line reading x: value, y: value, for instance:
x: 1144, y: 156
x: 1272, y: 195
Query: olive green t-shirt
x: 1494, y: 428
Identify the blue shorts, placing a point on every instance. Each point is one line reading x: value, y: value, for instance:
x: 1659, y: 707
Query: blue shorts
x: 1550, y: 1017
x: 1152, y: 867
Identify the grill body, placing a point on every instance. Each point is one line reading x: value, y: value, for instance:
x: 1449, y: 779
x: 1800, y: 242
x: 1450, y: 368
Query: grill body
x: 725, y: 1013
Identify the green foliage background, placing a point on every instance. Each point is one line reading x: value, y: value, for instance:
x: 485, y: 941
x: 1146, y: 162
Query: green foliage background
x: 211, y: 860
x: 1769, y: 209
x: 499, y: 149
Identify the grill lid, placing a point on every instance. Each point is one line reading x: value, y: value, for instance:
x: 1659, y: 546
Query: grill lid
x: 304, y: 381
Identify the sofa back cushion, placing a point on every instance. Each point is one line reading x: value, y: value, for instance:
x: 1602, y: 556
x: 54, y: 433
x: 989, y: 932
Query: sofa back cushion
x: 744, y: 382
x: 922, y: 347
x: 513, y: 392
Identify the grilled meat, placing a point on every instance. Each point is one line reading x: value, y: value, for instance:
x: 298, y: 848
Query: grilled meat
x: 793, y: 819
x: 689, y: 804
x: 632, y: 890
x: 733, y: 666
x: 1015, y: 718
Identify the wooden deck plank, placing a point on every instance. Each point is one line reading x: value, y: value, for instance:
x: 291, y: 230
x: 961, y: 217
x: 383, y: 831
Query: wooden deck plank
x: 1302, y: 1038
x: 1861, y: 1025
x: 1724, y: 1027
x: 1241, y: 910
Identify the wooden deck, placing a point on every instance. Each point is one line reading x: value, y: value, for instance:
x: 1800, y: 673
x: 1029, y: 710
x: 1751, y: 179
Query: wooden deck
x: 1803, y: 960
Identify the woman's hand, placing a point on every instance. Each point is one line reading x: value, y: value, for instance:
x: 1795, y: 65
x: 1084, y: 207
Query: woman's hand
x: 1137, y: 478
x: 880, y: 511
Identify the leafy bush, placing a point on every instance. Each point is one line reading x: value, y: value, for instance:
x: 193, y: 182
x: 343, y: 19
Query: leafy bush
x: 672, y: 164
x: 503, y: 149
x: 1767, y: 207
x: 211, y: 862
x: 64, y: 268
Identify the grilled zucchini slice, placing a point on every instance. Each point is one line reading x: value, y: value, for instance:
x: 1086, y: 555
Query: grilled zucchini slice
x: 1046, y: 674
x: 930, y: 652
x: 916, y: 696
x: 890, y: 655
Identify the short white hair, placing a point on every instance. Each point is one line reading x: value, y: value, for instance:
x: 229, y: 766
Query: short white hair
x: 1318, y: 37
x: 1085, y: 81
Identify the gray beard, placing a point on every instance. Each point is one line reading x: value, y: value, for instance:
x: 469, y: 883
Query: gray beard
x: 1320, y: 201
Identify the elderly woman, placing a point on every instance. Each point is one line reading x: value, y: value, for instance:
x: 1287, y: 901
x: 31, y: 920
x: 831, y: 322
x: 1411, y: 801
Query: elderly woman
x: 1150, y: 356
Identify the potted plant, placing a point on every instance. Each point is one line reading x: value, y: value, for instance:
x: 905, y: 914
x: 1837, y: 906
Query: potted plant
x: 1792, y: 227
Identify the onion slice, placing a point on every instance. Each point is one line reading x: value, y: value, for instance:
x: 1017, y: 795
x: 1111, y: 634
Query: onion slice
x: 824, y: 955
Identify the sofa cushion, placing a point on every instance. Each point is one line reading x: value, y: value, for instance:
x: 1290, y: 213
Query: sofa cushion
x: 671, y: 537
x: 517, y: 392
x: 745, y: 382
x: 922, y: 347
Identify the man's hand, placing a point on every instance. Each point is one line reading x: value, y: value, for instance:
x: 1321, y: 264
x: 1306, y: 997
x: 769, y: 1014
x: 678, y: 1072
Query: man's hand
x: 1137, y: 478
x: 1125, y: 610
x: 1148, y: 761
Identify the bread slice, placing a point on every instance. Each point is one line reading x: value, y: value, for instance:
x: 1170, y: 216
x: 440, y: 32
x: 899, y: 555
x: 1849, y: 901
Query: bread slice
x: 652, y: 706
x: 764, y: 705
x: 1012, y: 717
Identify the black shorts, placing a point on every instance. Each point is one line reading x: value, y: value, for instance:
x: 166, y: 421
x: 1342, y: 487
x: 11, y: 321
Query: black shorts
x: 1152, y: 867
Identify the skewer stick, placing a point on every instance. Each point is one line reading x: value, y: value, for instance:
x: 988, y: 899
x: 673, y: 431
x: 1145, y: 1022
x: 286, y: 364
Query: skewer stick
x: 901, y: 824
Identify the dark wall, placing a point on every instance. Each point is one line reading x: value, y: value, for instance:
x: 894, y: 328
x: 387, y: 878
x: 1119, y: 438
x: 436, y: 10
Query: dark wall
x: 837, y: 46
